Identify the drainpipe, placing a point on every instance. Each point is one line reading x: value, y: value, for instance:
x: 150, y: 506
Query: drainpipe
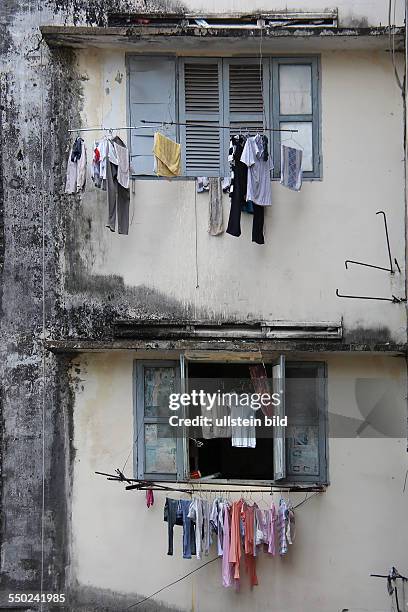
x: 404, y: 94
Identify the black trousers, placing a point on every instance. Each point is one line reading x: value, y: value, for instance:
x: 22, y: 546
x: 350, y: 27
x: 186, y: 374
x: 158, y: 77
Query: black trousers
x: 234, y: 221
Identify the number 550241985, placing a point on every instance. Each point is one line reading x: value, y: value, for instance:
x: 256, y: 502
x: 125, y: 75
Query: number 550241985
x: 36, y: 597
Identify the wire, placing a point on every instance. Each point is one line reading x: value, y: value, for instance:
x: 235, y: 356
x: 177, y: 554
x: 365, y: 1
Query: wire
x: 43, y: 330
x: 196, y: 236
x: 138, y: 603
x: 305, y: 500
x: 211, y: 125
x: 261, y: 79
x: 391, y: 34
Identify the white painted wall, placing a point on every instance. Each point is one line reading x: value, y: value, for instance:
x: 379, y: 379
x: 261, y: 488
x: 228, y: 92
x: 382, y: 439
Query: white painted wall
x: 358, y: 526
x: 308, y: 234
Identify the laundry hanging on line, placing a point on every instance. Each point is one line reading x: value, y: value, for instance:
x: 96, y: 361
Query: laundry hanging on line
x: 76, y: 167
x: 215, y: 211
x: 239, y: 531
x: 234, y: 420
x: 248, y: 172
x: 249, y: 186
x: 291, y: 168
x: 110, y: 171
x: 167, y: 156
x: 203, y: 184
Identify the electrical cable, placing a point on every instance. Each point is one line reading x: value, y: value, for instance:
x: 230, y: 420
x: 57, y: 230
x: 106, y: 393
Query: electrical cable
x: 261, y: 79
x: 43, y: 330
x: 167, y: 586
x: 196, y: 236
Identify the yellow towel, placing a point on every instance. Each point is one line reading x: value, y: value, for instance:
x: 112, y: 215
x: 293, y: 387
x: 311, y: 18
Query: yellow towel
x: 168, y: 156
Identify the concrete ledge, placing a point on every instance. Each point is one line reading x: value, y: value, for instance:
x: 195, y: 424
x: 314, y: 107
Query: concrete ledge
x: 248, y: 349
x: 149, y: 38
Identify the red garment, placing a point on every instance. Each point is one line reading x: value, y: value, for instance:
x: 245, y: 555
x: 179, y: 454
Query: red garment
x: 149, y: 498
x: 259, y: 378
x: 235, y: 538
x: 249, y: 544
x: 241, y: 511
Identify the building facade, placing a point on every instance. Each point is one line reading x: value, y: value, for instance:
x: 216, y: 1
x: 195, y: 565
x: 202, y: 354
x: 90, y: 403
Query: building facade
x: 94, y: 321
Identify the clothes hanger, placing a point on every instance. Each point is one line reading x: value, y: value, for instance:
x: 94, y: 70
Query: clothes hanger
x: 291, y: 139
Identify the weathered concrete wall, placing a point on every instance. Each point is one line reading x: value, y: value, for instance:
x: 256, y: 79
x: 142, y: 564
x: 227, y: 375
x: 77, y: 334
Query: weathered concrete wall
x: 40, y: 98
x: 308, y: 235
x: 343, y: 535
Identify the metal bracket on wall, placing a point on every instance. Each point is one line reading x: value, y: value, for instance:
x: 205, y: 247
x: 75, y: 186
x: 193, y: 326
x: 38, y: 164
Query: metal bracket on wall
x: 390, y: 269
x: 392, y: 299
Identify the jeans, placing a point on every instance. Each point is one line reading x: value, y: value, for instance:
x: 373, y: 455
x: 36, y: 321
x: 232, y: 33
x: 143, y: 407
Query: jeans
x: 176, y: 513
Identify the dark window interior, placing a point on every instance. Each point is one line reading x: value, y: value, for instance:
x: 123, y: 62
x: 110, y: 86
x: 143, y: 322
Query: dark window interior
x: 218, y: 456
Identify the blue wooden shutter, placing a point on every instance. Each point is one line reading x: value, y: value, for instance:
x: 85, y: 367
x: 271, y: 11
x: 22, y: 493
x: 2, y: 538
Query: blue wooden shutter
x: 279, y: 447
x: 306, y: 434
x: 201, y: 102
x: 152, y: 96
x: 158, y: 449
x: 245, y: 106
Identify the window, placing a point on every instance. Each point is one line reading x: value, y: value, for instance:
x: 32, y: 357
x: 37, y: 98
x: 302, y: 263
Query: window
x: 293, y: 454
x: 206, y: 93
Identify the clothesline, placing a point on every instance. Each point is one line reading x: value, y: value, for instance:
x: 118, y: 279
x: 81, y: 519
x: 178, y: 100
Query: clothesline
x: 143, y: 485
x: 222, y: 127
x: 155, y: 124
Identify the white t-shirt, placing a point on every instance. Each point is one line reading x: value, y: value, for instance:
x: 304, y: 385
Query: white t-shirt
x: 259, y: 188
x: 106, y: 150
x: 243, y: 436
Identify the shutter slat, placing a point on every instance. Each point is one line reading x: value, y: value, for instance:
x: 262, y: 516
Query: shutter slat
x: 201, y: 87
x: 245, y: 89
x: 201, y: 100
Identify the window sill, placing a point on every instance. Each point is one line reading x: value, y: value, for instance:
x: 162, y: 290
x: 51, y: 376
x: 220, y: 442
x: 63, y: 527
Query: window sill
x: 203, y: 484
x: 136, y: 177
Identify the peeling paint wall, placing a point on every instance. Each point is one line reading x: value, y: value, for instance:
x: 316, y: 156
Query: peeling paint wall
x: 308, y: 235
x: 342, y: 536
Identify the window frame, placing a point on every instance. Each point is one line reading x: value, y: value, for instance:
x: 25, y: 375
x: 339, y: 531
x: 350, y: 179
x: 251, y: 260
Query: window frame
x: 271, y: 65
x: 182, y: 458
x: 322, y: 423
x: 140, y: 420
x: 314, y: 118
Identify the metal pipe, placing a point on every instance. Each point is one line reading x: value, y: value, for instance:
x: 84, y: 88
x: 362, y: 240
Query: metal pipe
x: 221, y: 127
x: 158, y: 123
x: 360, y: 263
x: 381, y: 212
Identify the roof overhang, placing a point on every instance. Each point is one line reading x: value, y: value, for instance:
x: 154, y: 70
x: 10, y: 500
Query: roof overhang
x: 231, y: 35
x: 236, y: 340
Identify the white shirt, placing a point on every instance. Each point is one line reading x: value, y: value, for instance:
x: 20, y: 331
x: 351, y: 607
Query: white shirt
x: 106, y: 150
x: 243, y: 436
x: 259, y: 188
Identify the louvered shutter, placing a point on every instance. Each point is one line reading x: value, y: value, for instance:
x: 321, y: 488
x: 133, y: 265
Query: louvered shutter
x: 244, y: 105
x: 152, y: 96
x: 201, y: 102
x: 279, y: 440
